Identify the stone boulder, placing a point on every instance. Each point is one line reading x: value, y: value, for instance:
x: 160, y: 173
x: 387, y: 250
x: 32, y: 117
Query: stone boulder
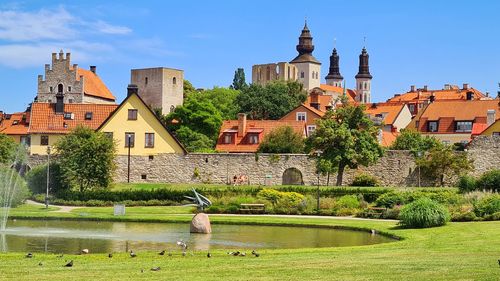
x: 200, y: 224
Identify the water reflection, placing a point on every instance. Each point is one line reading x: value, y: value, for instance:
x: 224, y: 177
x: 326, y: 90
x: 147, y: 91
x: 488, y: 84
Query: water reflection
x: 103, y: 237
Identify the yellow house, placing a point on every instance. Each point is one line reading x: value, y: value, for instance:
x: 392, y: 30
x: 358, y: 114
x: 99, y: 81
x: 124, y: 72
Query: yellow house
x: 135, y: 123
x: 492, y: 130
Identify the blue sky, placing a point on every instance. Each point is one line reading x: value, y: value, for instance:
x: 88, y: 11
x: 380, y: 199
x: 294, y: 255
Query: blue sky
x: 409, y: 42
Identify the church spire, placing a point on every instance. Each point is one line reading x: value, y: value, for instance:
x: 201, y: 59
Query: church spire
x: 364, y: 69
x: 334, y: 72
x: 305, y: 47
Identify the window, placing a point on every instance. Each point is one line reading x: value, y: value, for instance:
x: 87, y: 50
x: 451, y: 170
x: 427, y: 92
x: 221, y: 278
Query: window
x: 496, y: 134
x: 129, y: 139
x: 150, y: 140
x: 88, y: 115
x: 132, y: 114
x: 44, y: 140
x: 411, y: 107
x: 109, y: 135
x: 463, y: 126
x: 60, y: 88
x: 432, y: 126
x: 51, y: 89
x: 70, y: 100
x: 227, y: 139
x: 174, y: 80
x: 417, y: 124
x: 310, y: 129
x: 69, y: 88
x: 151, y: 157
x: 25, y: 140
x: 301, y: 116
x: 15, y: 122
x: 68, y: 116
x: 253, y: 138
x: 146, y: 81
x: 143, y: 176
x: 302, y: 74
x: 268, y: 73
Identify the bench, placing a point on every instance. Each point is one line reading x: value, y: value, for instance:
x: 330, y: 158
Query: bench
x: 375, y: 211
x: 251, y: 208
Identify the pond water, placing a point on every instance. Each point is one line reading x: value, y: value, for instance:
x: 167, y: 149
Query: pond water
x: 103, y: 237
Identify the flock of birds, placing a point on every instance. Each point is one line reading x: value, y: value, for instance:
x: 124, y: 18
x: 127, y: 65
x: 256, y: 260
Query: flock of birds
x: 183, y: 246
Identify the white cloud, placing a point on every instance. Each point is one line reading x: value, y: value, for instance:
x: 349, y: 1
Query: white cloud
x: 107, y: 28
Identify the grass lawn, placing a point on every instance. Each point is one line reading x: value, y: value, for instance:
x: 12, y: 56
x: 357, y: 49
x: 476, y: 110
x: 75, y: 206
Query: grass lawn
x: 458, y: 251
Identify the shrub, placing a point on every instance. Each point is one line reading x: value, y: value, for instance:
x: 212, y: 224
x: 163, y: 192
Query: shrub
x: 347, y: 205
x: 10, y: 178
x: 391, y: 199
x: 489, y: 181
x: 365, y: 180
x: 463, y: 213
x: 423, y: 213
x: 270, y: 195
x: 487, y: 205
x: 36, y: 179
x: 467, y: 183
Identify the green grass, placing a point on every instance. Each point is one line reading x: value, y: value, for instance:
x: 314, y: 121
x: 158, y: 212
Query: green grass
x: 457, y: 251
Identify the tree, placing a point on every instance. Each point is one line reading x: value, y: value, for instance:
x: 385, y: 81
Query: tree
x: 442, y: 161
x: 239, y: 80
x: 414, y: 142
x: 346, y: 138
x: 7, y: 149
x: 282, y: 140
x: 86, y: 158
x: 188, y: 88
x: 223, y: 99
x: 272, y: 101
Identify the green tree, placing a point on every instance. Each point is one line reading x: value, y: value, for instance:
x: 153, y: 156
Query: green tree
x: 36, y: 179
x: 346, y: 138
x: 239, y: 82
x: 272, y: 101
x: 223, y: 99
x: 282, y: 140
x: 194, y: 141
x: 413, y: 141
x: 188, y: 88
x: 7, y: 149
x: 86, y: 158
x: 443, y: 161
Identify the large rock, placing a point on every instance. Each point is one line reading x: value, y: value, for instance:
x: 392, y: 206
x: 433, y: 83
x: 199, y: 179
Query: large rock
x: 200, y: 224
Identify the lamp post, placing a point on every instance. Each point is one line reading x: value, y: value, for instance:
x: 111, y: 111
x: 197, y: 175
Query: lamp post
x: 129, y: 137
x: 48, y: 178
x: 419, y: 154
x: 318, y: 154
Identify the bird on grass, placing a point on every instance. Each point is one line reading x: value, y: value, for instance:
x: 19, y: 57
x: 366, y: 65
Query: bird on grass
x: 110, y: 255
x: 132, y: 254
x: 162, y: 253
x: 255, y: 254
x: 155, y: 268
x: 29, y: 255
x: 60, y: 256
x: 69, y: 264
x: 40, y: 264
x: 237, y: 253
x: 182, y: 244
x: 209, y: 255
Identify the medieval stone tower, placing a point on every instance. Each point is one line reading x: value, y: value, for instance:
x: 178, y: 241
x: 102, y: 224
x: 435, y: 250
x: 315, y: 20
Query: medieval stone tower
x: 363, y: 79
x: 334, y: 78
x: 308, y: 67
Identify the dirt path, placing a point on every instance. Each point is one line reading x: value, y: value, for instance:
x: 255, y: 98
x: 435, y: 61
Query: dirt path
x: 62, y: 209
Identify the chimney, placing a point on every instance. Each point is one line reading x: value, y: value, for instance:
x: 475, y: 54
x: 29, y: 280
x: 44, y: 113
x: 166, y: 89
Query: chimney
x: 242, y: 124
x: 432, y: 98
x: 93, y: 69
x: 447, y: 86
x: 59, y: 103
x: 132, y: 89
x: 412, y: 88
x: 314, y: 99
x: 465, y: 86
x: 487, y: 94
x: 425, y: 88
x: 490, y: 116
x: 470, y: 95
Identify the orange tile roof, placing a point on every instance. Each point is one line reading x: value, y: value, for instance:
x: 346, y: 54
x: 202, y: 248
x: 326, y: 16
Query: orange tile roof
x: 460, y: 109
x: 388, y: 138
x: 351, y: 94
x: 262, y: 127
x: 93, y: 85
x: 452, y: 94
x: 15, y: 125
x: 391, y: 111
x: 45, y: 120
x: 478, y: 128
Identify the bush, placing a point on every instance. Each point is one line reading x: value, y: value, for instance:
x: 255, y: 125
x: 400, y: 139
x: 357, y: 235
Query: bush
x: 365, y: 180
x: 391, y: 199
x: 467, y: 183
x: 36, y: 179
x: 423, y: 213
x: 489, y: 181
x: 347, y: 205
x: 487, y: 205
x: 19, y: 193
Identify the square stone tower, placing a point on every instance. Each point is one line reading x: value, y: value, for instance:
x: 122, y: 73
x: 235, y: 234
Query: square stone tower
x: 159, y: 87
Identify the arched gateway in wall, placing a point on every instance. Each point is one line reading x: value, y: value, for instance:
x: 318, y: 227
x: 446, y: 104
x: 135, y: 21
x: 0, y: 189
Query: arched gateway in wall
x: 292, y: 176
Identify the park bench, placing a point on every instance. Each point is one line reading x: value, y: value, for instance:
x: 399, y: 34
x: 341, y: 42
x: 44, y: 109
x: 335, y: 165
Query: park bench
x: 376, y: 211
x: 252, y: 208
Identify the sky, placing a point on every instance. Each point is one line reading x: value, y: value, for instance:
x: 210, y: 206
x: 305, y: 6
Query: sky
x: 410, y: 42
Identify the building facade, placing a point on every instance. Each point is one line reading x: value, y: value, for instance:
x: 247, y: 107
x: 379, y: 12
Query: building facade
x: 265, y: 73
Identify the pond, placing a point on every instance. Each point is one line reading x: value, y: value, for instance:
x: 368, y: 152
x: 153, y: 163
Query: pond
x: 71, y: 237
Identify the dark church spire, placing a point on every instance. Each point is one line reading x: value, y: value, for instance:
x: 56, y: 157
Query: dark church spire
x: 305, y: 47
x: 364, y: 69
x: 334, y: 72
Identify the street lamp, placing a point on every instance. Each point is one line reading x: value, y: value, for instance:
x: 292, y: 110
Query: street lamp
x: 129, y: 136
x: 419, y: 154
x: 318, y: 154
x: 48, y: 178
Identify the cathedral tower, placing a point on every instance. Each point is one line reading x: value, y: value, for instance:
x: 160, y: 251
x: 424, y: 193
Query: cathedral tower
x: 363, y: 79
x: 308, y: 67
x: 334, y: 78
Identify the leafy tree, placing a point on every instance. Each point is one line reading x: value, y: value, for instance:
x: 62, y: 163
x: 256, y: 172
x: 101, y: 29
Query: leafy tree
x: 194, y: 141
x: 272, y: 101
x: 188, y: 88
x: 239, y: 80
x: 223, y: 99
x: 282, y: 140
x: 7, y: 149
x: 442, y: 161
x: 36, y: 179
x: 413, y: 141
x: 86, y: 158
x: 346, y: 138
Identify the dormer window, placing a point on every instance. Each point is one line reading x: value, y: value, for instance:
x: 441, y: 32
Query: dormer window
x: 228, y: 139
x: 253, y: 138
x: 88, y: 116
x: 463, y: 126
x: 432, y: 126
x: 68, y: 116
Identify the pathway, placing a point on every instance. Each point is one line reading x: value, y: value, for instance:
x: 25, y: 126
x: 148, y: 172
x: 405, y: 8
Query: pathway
x: 62, y: 209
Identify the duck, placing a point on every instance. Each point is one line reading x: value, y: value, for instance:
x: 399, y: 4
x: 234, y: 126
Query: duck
x: 132, y: 254
x: 255, y: 254
x: 29, y: 255
x: 209, y: 255
x: 110, y: 255
x: 162, y: 253
x: 155, y: 268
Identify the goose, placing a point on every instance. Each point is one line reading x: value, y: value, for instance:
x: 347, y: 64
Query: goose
x: 29, y: 255
x: 255, y: 254
x: 132, y: 254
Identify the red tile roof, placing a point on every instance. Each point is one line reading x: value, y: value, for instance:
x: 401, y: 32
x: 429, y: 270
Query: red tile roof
x: 388, y: 138
x: 461, y: 109
x: 17, y: 124
x: 451, y: 94
x: 93, y: 85
x: 240, y: 144
x: 45, y: 120
x: 478, y: 128
x: 388, y: 110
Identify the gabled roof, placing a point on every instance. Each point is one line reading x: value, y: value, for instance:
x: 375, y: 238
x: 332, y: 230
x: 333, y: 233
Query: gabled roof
x: 478, y: 128
x: 45, y: 120
x: 16, y: 124
x: 390, y: 111
x: 460, y: 109
x: 263, y: 127
x: 93, y: 85
x: 149, y: 109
